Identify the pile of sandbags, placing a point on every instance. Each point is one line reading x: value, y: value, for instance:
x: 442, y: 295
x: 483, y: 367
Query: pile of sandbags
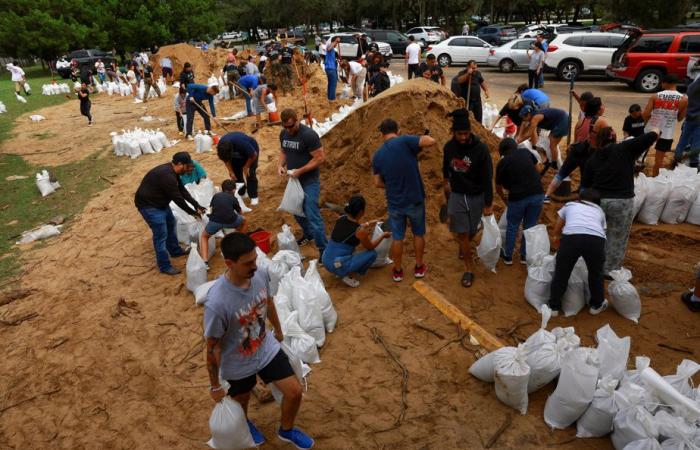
x: 671, y: 197
x: 137, y: 142
x: 394, y: 79
x: 55, y: 89
x: 203, y: 142
x: 152, y: 92
x: 324, y: 127
x: 117, y: 88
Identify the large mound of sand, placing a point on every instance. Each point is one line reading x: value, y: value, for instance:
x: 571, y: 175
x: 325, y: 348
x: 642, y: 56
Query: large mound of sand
x: 204, y: 63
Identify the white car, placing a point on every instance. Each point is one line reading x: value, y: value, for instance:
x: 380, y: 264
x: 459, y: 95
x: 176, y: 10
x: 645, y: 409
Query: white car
x: 348, y: 45
x: 459, y: 50
x: 232, y: 36
x: 571, y: 55
x: 426, y: 35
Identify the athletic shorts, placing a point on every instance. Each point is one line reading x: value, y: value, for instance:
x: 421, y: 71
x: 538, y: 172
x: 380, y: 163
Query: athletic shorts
x: 398, y: 217
x: 214, y: 227
x: 278, y: 369
x: 465, y: 213
x: 664, y: 145
x: 562, y: 128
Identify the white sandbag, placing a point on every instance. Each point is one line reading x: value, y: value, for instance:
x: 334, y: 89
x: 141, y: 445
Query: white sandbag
x: 490, y: 115
x: 198, y: 142
x: 575, y: 389
x: 202, y: 192
x: 163, y: 139
x: 196, y: 269
x: 283, y: 306
x: 297, y: 367
x: 597, y: 421
x: 677, y: 434
x: 545, y: 364
x: 489, y: 249
x: 537, y: 242
x: 3, y: 108
x: 679, y: 203
x: 624, y: 296
x: 145, y: 146
x: 330, y: 317
x: 44, y: 183
x: 483, y: 368
x: 20, y: 98
x: 633, y: 424
x: 291, y: 258
x: 305, y: 303
x: 383, y: 249
x: 155, y: 142
x: 576, y: 295
x: 293, y: 198
x: 658, y: 191
x: 681, y: 381
x: 286, y: 240
x: 693, y: 213
x: 43, y: 232
x: 205, y: 143
x: 511, y: 377
x: 241, y: 202
x: 541, y: 336
x: 613, y: 352
x: 644, y: 444
x: 228, y: 426
x: 36, y: 118
x: 640, y: 192
x: 634, y: 376
x: 503, y: 225
x: 200, y: 294
x: 300, y: 343
x: 568, y: 336
x: 669, y: 395
x: 539, y: 280
x: 276, y: 270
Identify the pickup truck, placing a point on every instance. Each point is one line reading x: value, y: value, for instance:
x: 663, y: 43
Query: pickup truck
x: 86, y: 60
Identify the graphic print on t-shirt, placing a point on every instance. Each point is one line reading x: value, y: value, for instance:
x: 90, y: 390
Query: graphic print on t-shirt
x: 461, y: 165
x: 251, y: 318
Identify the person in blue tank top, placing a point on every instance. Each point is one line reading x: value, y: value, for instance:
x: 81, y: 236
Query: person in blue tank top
x: 552, y: 119
x: 331, y: 66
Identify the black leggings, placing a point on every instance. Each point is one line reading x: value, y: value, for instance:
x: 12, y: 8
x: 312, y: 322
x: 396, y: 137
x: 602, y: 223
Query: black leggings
x: 85, y: 110
x: 573, y: 246
x: 251, y: 179
x: 533, y: 79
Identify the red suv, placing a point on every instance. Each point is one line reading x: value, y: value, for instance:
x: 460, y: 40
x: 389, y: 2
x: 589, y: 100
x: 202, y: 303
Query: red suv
x: 646, y: 56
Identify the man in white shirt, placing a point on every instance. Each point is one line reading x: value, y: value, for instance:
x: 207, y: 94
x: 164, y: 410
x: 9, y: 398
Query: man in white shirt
x: 18, y: 77
x: 357, y: 73
x: 465, y: 29
x: 412, y: 57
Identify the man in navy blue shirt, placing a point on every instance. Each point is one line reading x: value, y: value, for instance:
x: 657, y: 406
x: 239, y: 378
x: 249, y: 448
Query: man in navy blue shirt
x: 239, y: 152
x: 395, y: 167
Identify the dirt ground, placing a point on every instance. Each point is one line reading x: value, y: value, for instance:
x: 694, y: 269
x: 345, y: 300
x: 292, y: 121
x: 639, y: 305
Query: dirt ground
x: 110, y: 355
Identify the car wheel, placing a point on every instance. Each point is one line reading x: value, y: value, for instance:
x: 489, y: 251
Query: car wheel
x: 649, y: 80
x: 444, y: 60
x: 568, y: 70
x: 506, y: 65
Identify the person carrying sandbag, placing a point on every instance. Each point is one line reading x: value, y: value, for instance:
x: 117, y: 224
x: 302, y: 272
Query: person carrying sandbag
x: 339, y: 257
x: 240, y: 347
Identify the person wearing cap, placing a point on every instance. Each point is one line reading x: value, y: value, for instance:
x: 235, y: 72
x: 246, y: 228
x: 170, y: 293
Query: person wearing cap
x: 160, y: 186
x: 187, y: 75
x: 552, y: 119
x: 348, y: 233
x: 196, y: 94
x: 239, y: 153
x: 472, y: 96
x: 395, y: 168
x: 468, y: 171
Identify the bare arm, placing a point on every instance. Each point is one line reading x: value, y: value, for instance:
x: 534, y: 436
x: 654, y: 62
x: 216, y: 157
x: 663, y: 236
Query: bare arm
x: 556, y: 234
x: 213, y: 362
x: 426, y: 141
x: 485, y: 87
x: 231, y: 175
x: 282, y: 167
x: 683, y: 108
x: 646, y: 114
x: 378, y: 181
x: 364, y: 236
x: 249, y: 162
x: 274, y: 319
x: 317, y: 158
x: 442, y: 79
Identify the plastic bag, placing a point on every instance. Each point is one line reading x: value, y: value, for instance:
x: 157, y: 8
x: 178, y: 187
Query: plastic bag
x: 196, y: 269
x: 597, y: 421
x: 228, y: 426
x: 658, y: 191
x: 537, y: 241
x: 511, y: 377
x: 241, y: 202
x: 490, y: 115
x: 44, y: 183
x: 574, y: 299
x: 305, y: 303
x: 205, y: 143
x: 483, y: 368
x: 613, y: 352
x: 383, y: 248
x: 200, y: 294
x: 43, y: 232
x: 575, y: 389
x: 640, y: 193
x: 286, y: 240
x: 666, y: 391
x: 293, y: 198
x: 330, y: 317
x: 624, y: 296
x: 539, y: 280
x: 300, y: 343
x: 633, y: 424
x: 276, y: 270
x: 297, y: 367
x: 489, y: 248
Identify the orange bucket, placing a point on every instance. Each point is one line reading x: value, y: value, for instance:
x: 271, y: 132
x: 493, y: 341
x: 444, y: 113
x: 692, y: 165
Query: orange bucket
x: 274, y: 116
x: 215, y: 139
x: 262, y: 240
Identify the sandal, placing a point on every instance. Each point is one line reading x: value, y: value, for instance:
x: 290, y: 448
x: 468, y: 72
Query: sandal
x: 467, y: 279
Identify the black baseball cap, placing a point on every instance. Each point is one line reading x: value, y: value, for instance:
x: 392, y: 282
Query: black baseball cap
x: 182, y: 158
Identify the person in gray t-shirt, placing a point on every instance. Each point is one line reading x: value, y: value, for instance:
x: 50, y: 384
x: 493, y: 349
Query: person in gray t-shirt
x: 239, y: 346
x: 535, y: 66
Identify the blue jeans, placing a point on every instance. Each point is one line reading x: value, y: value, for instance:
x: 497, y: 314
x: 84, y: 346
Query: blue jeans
x: 248, y: 106
x: 332, y: 83
x: 162, y: 224
x: 398, y: 218
x: 312, y: 224
x: 526, y: 211
x: 689, y: 141
x: 340, y: 260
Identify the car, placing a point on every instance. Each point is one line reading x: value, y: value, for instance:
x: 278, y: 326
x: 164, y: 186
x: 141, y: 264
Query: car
x: 427, y: 35
x: 510, y: 56
x: 397, y: 40
x: 497, y: 34
x: 235, y: 36
x: 349, y: 45
x: 293, y: 37
x: 459, y: 50
x: 86, y: 60
x: 646, y: 56
x: 568, y: 29
x: 570, y: 55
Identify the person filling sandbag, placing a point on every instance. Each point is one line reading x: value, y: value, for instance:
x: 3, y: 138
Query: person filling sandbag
x: 159, y: 187
x: 239, y: 347
x: 225, y: 213
x: 239, y: 153
x: 194, y: 173
x: 582, y: 226
x: 196, y: 94
x: 348, y: 232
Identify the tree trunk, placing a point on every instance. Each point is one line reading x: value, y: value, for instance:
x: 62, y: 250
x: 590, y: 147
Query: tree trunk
x: 577, y: 11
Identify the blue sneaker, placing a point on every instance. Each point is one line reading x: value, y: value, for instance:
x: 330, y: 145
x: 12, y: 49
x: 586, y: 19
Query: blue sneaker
x: 296, y: 437
x: 258, y: 437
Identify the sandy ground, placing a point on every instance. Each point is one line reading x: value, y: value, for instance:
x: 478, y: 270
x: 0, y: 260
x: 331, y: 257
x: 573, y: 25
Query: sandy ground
x: 111, y: 356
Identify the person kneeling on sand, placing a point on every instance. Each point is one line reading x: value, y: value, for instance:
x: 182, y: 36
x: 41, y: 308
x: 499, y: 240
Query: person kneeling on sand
x: 347, y: 234
x: 239, y: 345
x: 225, y: 213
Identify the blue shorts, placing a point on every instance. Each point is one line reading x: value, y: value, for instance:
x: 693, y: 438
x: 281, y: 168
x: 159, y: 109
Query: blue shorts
x: 214, y: 227
x: 562, y: 128
x: 398, y: 217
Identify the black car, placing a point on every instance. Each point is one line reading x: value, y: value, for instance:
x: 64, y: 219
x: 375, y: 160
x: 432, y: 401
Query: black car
x: 397, y: 40
x: 497, y: 34
x: 86, y: 61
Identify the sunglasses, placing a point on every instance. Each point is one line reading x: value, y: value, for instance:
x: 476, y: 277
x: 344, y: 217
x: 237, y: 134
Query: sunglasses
x: 289, y: 127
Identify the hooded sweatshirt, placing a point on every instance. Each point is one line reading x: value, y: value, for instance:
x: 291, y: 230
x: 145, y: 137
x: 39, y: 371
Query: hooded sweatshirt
x: 468, y: 168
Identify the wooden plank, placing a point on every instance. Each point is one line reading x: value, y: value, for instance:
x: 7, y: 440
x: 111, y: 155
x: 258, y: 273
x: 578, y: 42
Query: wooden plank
x: 486, y: 339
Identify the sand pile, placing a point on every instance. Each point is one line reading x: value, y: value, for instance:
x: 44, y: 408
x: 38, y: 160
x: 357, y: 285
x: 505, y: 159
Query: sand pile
x: 204, y: 63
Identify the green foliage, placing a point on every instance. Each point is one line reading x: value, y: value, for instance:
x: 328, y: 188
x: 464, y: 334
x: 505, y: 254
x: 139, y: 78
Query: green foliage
x: 647, y: 13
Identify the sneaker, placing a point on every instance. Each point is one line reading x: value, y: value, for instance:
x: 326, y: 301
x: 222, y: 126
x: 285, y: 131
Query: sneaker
x: 303, y: 241
x: 206, y: 263
x: 687, y: 298
x: 296, y: 437
x: 595, y: 311
x: 254, y: 201
x: 89, y: 124
x: 190, y: 138
x: 180, y: 133
x: 258, y: 437
x: 507, y: 260
x: 172, y: 271
x: 523, y: 260
x: 397, y: 275
x: 547, y: 199
x: 185, y: 251
x: 419, y: 271
x: 350, y: 281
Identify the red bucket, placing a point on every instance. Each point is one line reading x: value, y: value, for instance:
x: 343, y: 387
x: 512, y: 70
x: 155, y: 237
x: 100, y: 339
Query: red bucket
x: 262, y: 240
x: 274, y: 116
x: 215, y: 139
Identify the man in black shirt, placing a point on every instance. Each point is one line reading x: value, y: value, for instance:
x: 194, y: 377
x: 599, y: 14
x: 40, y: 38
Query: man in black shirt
x: 431, y: 70
x: 159, y: 187
x: 187, y: 75
x: 472, y: 96
x: 517, y: 173
x: 468, y: 173
x: 149, y: 82
x: 286, y: 75
x: 634, y: 123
